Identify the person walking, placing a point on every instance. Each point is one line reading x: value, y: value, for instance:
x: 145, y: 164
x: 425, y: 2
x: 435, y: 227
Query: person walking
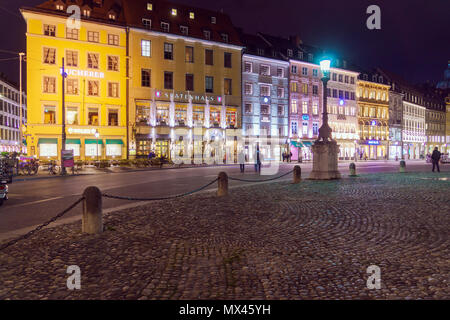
x: 435, y: 157
x: 290, y: 156
x: 258, y: 161
x: 241, y: 160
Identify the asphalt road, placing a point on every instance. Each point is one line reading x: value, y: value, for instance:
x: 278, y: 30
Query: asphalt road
x: 36, y: 201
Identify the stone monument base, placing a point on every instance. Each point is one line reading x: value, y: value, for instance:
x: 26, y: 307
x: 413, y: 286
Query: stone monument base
x: 325, y: 161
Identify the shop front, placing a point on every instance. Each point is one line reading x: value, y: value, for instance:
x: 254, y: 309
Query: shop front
x: 372, y: 150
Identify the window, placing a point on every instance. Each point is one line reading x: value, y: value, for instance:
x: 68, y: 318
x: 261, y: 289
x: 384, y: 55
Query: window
x: 113, y: 63
x: 294, y: 106
x: 93, y: 36
x: 165, y: 26
x: 264, y: 90
x: 340, y: 78
x: 72, y: 58
x: 264, y: 70
x: 49, y: 30
x: 304, y: 71
x: 346, y: 79
x: 72, y: 34
x: 209, y: 84
x: 224, y: 37
x: 209, y: 57
x: 189, y: 82
x: 112, y: 16
x: 352, y: 80
x: 305, y: 128
x: 168, y: 80
x: 310, y: 57
x: 189, y: 54
x: 207, y: 34
x: 280, y: 92
x: 315, y: 72
x: 93, y: 88
x: 294, y: 69
x: 280, y: 72
x: 294, y: 86
x: 227, y: 60
x: 146, y: 48
x: 168, y: 51
x: 93, y: 60
x: 260, y: 51
x: 93, y: 117
x: 72, y: 115
x: 227, y: 87
x: 146, y: 78
x: 341, y: 94
x: 305, y: 88
x: 334, y: 77
x: 248, y: 108
x: 294, y: 130
x: 191, y: 15
x: 49, y: 85
x: 59, y: 7
x: 248, y: 88
x: 305, y: 107
x: 174, y: 12
x: 184, y: 30
x: 49, y: 115
x: 300, y: 55
x: 72, y: 86
x: 149, y: 6
x: 289, y: 52
x: 315, y: 128
x: 315, y: 90
x: 213, y: 20
x: 315, y: 108
x: 113, y: 118
x: 147, y: 23
x: 248, y: 67
x: 280, y: 110
x: 49, y: 55
x: 347, y: 96
x: 86, y: 13
x: 113, y: 39
x: 265, y: 109
x: 113, y: 89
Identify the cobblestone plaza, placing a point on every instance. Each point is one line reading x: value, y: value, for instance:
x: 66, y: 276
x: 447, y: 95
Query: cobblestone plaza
x: 313, y: 240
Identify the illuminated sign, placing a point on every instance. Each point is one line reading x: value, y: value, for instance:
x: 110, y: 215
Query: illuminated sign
x: 84, y: 73
x: 185, y: 96
x: 305, y: 117
x: 81, y: 131
x: 373, y: 123
x: 373, y: 142
x: 341, y: 102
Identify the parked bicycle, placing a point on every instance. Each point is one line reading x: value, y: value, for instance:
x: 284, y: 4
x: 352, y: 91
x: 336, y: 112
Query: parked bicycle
x: 53, y: 168
x: 29, y: 168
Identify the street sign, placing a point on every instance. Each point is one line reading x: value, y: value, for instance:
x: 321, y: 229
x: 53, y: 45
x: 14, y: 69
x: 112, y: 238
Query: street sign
x: 67, y: 158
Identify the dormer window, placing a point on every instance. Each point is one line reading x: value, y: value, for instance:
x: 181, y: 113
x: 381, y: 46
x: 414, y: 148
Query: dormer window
x: 147, y: 23
x: 165, y: 26
x: 345, y: 64
x: 86, y: 13
x: 260, y: 51
x: 300, y: 55
x: 184, y: 30
x: 207, y: 34
x: 59, y: 7
x: 310, y: 57
x: 149, y: 6
x: 191, y: 15
x: 289, y: 52
x: 213, y: 20
x: 224, y: 37
x: 112, y: 16
x: 174, y: 12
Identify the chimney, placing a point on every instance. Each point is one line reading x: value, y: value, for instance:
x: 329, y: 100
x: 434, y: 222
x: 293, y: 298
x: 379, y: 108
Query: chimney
x: 295, y: 40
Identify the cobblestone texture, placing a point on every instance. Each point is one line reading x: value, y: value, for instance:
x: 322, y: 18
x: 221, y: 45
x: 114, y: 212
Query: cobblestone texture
x: 313, y: 240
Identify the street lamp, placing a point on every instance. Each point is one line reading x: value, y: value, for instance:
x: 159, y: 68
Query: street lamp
x: 325, y: 130
x: 96, y: 136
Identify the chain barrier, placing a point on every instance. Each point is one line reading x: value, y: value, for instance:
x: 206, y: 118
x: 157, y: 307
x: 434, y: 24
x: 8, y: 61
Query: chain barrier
x: 245, y: 180
x: 25, y: 236
x: 161, y: 198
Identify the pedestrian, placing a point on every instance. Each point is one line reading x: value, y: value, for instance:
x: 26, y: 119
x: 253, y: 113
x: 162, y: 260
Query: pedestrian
x: 290, y: 156
x: 257, y: 161
x: 241, y: 160
x: 283, y: 155
x: 435, y: 157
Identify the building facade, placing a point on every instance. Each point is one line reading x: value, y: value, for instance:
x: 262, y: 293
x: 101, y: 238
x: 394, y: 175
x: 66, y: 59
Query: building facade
x: 447, y: 125
x: 395, y: 125
x: 10, y: 117
x: 265, y: 99
x: 95, y: 84
x: 185, y: 82
x: 373, y: 117
x: 343, y: 111
x: 434, y: 122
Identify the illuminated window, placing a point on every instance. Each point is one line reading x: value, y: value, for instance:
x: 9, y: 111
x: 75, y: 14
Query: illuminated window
x: 113, y: 63
x: 305, y: 107
x: 146, y: 48
x: 72, y: 86
x: 189, y: 54
x: 315, y: 107
x: 213, y: 20
x: 294, y: 87
x: 113, y: 89
x: 93, y: 60
x: 59, y: 7
x: 72, y: 34
x: 93, y: 117
x: 149, y: 6
x: 49, y: 85
x: 305, y: 88
x: 49, y: 55
x: 49, y: 115
x: 227, y: 86
x: 113, y: 39
x: 87, y: 13
x: 93, y: 88
x: 264, y: 90
x: 191, y: 15
x: 294, y: 106
x: 112, y: 16
x: 113, y: 117
x: 72, y: 115
x: 174, y: 12
x: 93, y: 36
x: 71, y: 58
x: 49, y: 30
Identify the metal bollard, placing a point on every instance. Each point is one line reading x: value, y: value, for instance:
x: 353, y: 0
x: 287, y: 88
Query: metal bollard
x: 352, y: 168
x: 92, y: 211
x: 402, y: 166
x: 297, y: 174
x: 222, y: 184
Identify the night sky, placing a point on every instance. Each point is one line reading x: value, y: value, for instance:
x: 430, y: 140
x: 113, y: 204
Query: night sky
x: 414, y: 40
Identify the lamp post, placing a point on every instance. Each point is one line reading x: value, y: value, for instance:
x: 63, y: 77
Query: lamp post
x: 325, y: 130
x: 63, y: 140
x: 96, y: 136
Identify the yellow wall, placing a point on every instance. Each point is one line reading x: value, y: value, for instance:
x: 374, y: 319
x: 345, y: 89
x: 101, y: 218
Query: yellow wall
x: 36, y: 70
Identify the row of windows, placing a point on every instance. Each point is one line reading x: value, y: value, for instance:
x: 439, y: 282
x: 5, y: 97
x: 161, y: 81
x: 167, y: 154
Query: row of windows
x: 9, y: 122
x: 72, y: 59
x: 74, y: 34
x: 305, y: 107
x: 6, y: 134
x: 174, y: 12
x: 264, y: 90
x: 305, y: 128
x: 73, y: 116
x: 72, y: 87
x: 305, y: 71
x: 372, y: 94
x: 305, y: 86
x: 341, y: 94
x: 264, y: 109
x: 341, y: 110
x: 146, y: 51
x: 11, y: 94
x: 410, y: 110
x: 373, y: 112
x: 264, y: 69
x: 12, y: 109
x: 342, y: 78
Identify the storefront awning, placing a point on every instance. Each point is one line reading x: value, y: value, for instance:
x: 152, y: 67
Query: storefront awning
x: 48, y: 141
x: 114, y: 141
x: 297, y: 144
x: 307, y: 143
x: 93, y: 141
x: 73, y: 141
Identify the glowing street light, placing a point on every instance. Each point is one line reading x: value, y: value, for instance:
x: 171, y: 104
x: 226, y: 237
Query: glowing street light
x: 325, y: 130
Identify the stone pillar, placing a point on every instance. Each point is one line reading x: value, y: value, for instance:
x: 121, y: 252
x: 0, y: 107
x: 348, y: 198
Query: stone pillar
x: 325, y: 161
x: 402, y: 166
x: 222, y: 184
x: 297, y: 174
x: 92, y: 211
x: 352, y: 168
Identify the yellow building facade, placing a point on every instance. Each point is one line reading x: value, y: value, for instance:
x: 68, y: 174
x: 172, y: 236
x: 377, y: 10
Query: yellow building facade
x: 373, y: 119
x: 185, y: 95
x: 447, y: 125
x: 95, y: 87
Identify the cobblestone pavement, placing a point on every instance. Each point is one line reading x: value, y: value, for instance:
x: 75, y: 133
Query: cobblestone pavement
x: 313, y: 240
